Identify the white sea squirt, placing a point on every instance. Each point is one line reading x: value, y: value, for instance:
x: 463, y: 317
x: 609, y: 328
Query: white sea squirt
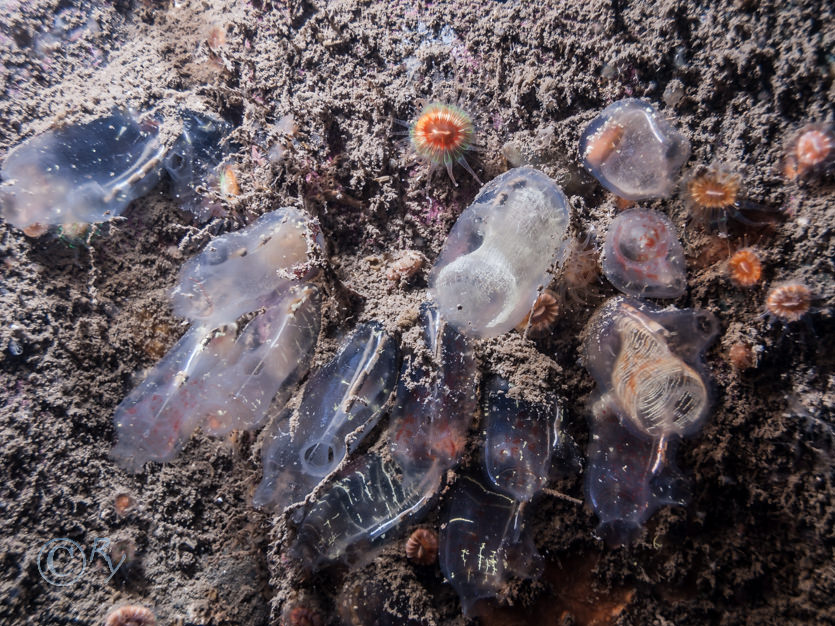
x: 216, y: 377
x: 498, y: 254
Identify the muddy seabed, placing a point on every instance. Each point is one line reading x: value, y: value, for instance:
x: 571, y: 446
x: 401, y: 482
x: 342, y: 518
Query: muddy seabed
x: 81, y: 324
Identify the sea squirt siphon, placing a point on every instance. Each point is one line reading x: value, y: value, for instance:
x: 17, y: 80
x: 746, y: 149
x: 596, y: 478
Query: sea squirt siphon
x: 215, y: 376
x: 633, y: 151
x: 652, y: 390
x: 499, y: 253
x: 345, y: 397
x: 643, y: 257
x: 84, y: 173
x: 434, y: 407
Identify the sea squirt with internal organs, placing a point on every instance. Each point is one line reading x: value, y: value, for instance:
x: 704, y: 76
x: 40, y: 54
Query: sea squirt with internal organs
x: 652, y: 390
x: 642, y: 255
x: 499, y: 253
x: 87, y: 172
x: 196, y: 161
x: 485, y: 539
x: 345, y: 397
x: 633, y: 151
x: 433, y: 409
x: 215, y: 376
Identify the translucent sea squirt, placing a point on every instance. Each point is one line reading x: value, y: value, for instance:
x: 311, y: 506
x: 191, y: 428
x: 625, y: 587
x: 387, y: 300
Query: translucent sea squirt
x: 483, y: 542
x: 345, y: 397
x: 652, y: 390
x: 236, y: 271
x: 195, y: 163
x: 499, y: 252
x: 643, y: 257
x: 218, y: 380
x: 80, y: 173
x: 433, y: 409
x: 215, y: 376
x: 521, y: 437
x: 633, y: 151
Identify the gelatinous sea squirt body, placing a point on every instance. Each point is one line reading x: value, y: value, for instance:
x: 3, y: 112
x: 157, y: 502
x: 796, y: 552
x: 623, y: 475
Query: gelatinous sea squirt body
x: 434, y: 407
x: 643, y: 257
x: 214, y: 376
x: 499, y: 252
x: 652, y: 391
x: 344, y: 398
x: 485, y: 539
x: 633, y: 151
x: 84, y: 173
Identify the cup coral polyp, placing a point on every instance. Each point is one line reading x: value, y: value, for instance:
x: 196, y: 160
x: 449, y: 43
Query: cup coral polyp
x: 441, y: 134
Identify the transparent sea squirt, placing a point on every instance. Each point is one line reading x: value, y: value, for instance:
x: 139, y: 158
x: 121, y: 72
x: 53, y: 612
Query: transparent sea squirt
x: 643, y: 257
x: 434, y: 407
x: 633, y: 151
x: 652, y: 390
x: 345, y: 397
x: 214, y: 376
x: 499, y: 253
x: 482, y: 542
x: 194, y: 161
x: 237, y: 271
x: 83, y: 173
x: 485, y: 539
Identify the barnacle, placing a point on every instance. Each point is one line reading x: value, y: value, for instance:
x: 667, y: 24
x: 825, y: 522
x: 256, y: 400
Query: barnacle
x: 300, y: 615
x: 404, y: 265
x: 542, y: 315
x: 741, y: 355
x: 130, y: 615
x: 788, y: 301
x: 713, y: 196
x: 580, y: 271
x: 123, y: 503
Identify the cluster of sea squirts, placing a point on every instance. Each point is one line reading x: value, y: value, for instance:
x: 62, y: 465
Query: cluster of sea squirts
x: 226, y: 374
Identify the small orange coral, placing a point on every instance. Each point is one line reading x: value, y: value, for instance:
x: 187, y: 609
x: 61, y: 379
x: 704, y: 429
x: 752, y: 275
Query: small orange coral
x: 788, y: 301
x: 123, y: 503
x: 130, y: 615
x: 745, y: 268
x: 543, y: 314
x: 422, y: 546
x: 711, y: 188
x: 811, y: 149
x: 302, y: 616
x: 741, y: 356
